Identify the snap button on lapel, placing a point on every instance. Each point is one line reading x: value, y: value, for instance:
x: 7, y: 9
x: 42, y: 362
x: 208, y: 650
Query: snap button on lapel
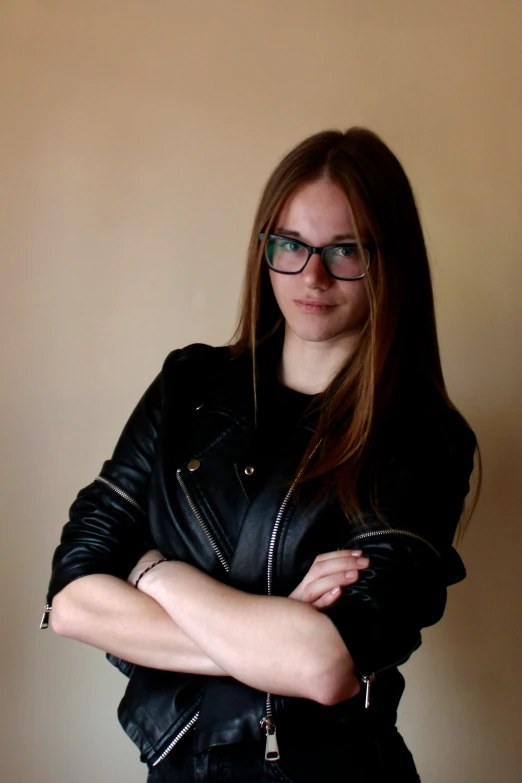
x: 249, y: 470
x: 193, y: 465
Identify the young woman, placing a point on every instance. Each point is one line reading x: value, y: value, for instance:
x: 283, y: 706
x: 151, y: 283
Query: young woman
x: 275, y: 526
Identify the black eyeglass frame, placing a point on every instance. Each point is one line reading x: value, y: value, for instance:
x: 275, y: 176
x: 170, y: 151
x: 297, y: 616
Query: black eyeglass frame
x: 321, y: 251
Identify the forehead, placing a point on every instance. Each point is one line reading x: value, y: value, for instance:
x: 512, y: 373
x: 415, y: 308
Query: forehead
x: 319, y: 211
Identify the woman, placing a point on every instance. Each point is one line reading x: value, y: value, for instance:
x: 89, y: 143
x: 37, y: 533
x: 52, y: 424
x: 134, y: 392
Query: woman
x: 286, y: 506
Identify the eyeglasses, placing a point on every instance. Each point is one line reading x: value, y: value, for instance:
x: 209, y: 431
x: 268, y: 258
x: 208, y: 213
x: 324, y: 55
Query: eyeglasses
x: 348, y: 261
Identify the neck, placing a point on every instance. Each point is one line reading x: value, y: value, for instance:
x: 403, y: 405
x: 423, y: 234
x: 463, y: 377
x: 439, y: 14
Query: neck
x: 309, y: 367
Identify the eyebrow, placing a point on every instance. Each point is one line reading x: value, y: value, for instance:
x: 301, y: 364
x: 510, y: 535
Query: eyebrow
x: 289, y: 233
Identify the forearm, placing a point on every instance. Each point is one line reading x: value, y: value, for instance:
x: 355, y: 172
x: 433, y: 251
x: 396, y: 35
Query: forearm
x: 274, y: 644
x: 110, y: 614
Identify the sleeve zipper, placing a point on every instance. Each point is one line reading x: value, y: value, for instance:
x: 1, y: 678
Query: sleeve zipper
x: 44, y: 623
x: 45, y: 617
x: 367, y: 679
x: 396, y: 532
x: 121, y: 493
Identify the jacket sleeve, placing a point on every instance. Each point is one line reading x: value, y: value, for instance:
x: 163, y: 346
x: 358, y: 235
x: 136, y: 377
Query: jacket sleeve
x: 107, y: 529
x: 409, y: 544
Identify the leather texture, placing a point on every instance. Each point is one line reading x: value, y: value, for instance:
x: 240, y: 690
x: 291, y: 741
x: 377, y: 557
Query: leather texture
x: 200, y: 407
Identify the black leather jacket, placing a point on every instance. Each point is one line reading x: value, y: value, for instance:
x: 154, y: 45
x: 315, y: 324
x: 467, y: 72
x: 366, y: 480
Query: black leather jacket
x: 177, y: 482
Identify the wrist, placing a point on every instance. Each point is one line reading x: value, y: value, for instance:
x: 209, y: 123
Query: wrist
x: 150, y: 577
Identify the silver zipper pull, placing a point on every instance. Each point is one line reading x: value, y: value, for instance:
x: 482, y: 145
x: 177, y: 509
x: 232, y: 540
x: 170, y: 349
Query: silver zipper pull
x: 272, y: 748
x: 45, y: 617
x: 367, y: 679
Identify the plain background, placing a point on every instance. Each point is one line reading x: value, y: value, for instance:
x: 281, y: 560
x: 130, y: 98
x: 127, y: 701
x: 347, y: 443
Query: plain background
x: 136, y: 136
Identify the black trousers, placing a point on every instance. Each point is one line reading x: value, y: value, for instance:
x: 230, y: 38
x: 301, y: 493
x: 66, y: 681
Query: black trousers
x: 385, y: 759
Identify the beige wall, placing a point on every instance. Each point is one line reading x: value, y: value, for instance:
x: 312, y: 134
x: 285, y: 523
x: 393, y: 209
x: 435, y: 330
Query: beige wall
x: 135, y: 138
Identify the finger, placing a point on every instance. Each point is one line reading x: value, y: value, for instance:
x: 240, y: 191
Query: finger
x: 328, y: 599
x: 335, y: 564
x: 338, y: 553
x: 318, y: 587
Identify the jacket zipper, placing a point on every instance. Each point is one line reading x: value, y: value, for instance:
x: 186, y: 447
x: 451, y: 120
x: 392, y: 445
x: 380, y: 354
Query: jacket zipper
x: 177, y: 738
x: 267, y: 723
x: 367, y: 679
x: 186, y: 728
x: 212, y: 541
x: 387, y: 531
x: 201, y: 521
x: 44, y: 623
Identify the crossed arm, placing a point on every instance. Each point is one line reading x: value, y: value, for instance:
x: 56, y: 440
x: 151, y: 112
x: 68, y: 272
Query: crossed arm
x: 180, y: 619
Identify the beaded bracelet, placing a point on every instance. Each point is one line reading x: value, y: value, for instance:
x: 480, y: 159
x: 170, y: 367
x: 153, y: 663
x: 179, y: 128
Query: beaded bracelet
x: 163, y: 560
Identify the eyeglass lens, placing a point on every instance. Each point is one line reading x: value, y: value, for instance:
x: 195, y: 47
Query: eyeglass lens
x: 288, y: 255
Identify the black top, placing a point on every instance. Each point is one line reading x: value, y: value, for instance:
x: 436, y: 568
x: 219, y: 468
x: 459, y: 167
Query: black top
x: 279, y: 411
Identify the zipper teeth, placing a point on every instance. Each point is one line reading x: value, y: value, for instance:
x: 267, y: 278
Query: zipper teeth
x: 270, y: 563
x: 273, y: 537
x: 201, y: 521
x: 277, y: 523
x: 271, y: 549
x: 373, y: 533
x: 177, y: 738
x: 120, y: 492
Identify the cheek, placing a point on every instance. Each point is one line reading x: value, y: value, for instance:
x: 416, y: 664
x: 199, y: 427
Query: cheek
x: 357, y: 303
x: 354, y: 292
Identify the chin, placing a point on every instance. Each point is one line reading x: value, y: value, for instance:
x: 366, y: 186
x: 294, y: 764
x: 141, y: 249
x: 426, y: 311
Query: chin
x: 313, y: 329
x: 317, y: 333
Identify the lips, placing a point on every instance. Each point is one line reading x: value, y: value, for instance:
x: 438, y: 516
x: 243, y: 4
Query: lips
x: 314, y: 306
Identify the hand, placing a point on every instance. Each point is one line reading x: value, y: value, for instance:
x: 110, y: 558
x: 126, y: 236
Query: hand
x: 144, y: 562
x: 322, y: 585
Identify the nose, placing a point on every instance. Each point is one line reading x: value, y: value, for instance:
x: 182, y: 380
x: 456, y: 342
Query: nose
x: 315, y: 275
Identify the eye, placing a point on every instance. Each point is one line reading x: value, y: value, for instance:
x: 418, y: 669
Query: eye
x: 346, y: 251
x: 289, y: 246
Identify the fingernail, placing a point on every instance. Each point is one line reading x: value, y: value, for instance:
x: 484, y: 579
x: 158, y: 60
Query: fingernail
x: 356, y: 552
x: 336, y: 590
x: 362, y: 561
x: 351, y: 574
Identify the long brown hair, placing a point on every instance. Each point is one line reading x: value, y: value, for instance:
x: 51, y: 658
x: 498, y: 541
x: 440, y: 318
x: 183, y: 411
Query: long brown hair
x: 398, y: 345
